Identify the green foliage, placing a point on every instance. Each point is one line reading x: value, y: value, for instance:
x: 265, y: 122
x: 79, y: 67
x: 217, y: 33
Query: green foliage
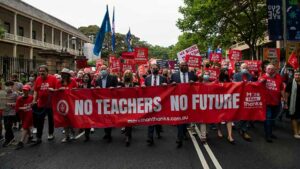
x: 91, y: 63
x: 121, y: 46
x: 219, y: 22
x: 2, y: 30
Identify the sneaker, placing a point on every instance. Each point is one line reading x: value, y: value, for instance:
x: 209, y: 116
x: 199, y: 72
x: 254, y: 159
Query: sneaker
x: 34, y: 130
x: 63, y: 131
x: 297, y: 136
x: 65, y: 140
x: 1, y: 138
x: 50, y: 137
x: 20, y: 145
x: 92, y: 130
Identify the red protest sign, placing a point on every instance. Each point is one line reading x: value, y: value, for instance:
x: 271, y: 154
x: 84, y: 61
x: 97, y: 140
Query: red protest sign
x: 293, y: 61
x: 193, y: 61
x: 85, y: 108
x: 215, y: 57
x: 141, y: 55
x: 114, y: 64
x: 253, y: 65
x: 213, y: 73
x: 129, y: 64
x: 128, y: 55
x: 235, y: 55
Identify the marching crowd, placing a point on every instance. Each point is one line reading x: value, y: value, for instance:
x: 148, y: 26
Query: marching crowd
x: 27, y: 105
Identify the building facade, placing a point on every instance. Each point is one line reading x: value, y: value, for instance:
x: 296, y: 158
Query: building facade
x: 34, y: 37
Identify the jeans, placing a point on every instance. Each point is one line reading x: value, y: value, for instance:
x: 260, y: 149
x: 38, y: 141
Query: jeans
x: 40, y: 119
x: 8, y: 123
x: 270, y: 117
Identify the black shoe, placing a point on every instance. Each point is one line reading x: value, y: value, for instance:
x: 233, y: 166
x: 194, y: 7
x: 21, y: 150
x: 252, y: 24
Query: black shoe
x: 269, y: 140
x: 127, y: 143
x: 150, y: 142
x: 105, y: 137
x: 232, y: 142
x: 36, y: 142
x: 273, y: 136
x: 179, y: 144
x: 20, y: 145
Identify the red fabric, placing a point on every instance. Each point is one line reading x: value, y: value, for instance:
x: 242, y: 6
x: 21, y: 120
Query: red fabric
x: 41, y: 87
x: 213, y: 73
x: 253, y: 65
x: 293, y: 61
x: 205, y: 103
x: 273, y: 86
x: 25, y: 115
x: 114, y: 64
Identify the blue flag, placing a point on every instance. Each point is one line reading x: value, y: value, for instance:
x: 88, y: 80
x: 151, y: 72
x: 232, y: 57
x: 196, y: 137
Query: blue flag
x: 113, y: 36
x: 128, y: 41
x: 105, y: 27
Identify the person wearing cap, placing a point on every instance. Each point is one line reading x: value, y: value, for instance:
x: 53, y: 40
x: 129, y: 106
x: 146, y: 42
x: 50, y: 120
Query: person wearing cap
x: 23, y: 108
x: 66, y: 82
x: 43, y: 88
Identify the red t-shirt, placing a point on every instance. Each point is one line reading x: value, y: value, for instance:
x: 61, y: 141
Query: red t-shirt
x: 71, y: 85
x: 41, y: 86
x: 25, y: 115
x: 274, y: 86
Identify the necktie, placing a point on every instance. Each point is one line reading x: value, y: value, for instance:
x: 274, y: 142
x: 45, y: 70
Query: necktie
x: 154, y: 81
x: 183, y: 76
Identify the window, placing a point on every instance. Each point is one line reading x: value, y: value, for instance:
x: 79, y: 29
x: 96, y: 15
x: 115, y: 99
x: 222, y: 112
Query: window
x: 45, y: 37
x: 21, y: 31
x: 7, y: 27
x: 33, y: 34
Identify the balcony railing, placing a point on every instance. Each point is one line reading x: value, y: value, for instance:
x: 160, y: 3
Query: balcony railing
x: 37, y: 43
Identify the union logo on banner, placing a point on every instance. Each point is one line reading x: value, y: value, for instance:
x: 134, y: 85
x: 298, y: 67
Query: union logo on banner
x: 62, y: 107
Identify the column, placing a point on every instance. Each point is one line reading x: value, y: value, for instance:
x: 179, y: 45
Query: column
x: 31, y: 58
x: 60, y: 38
x: 43, y: 32
x: 68, y: 40
x: 30, y: 30
x: 15, y: 24
x: 15, y: 51
x: 75, y: 43
x: 52, y: 38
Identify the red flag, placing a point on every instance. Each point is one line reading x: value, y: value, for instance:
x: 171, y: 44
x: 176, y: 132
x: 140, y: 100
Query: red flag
x: 293, y: 61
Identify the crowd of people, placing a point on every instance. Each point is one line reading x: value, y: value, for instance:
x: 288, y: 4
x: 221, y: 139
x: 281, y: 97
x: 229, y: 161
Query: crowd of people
x: 27, y: 105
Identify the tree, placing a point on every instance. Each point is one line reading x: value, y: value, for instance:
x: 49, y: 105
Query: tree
x: 121, y: 46
x: 226, y: 22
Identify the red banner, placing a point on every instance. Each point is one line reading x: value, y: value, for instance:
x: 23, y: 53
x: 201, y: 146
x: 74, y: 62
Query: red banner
x: 167, y: 105
x: 235, y: 55
x: 215, y: 57
x: 253, y: 65
x: 141, y: 55
x: 193, y: 61
x: 114, y: 64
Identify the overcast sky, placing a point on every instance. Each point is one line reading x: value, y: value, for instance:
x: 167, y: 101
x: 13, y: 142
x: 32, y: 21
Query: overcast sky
x: 153, y: 21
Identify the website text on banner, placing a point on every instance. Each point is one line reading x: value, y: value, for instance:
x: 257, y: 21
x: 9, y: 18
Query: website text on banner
x: 168, y: 105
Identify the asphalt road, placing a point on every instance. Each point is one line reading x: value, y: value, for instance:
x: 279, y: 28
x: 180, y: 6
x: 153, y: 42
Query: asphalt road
x: 283, y: 153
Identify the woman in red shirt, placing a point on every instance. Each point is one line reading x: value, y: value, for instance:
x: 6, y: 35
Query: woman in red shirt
x: 23, y: 108
x: 66, y: 83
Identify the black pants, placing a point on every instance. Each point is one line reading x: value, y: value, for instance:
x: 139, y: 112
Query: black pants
x: 87, y: 133
x: 40, y: 119
x: 107, y: 131
x: 128, y: 131
x: 8, y: 123
x: 151, y: 131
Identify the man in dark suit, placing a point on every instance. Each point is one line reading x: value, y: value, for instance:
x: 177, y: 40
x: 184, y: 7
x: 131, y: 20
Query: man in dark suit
x: 106, y: 81
x: 154, y: 80
x: 183, y: 76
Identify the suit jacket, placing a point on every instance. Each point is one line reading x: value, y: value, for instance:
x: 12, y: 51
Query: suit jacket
x: 176, y: 77
x: 148, y: 80
x: 111, y: 81
x: 238, y: 77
